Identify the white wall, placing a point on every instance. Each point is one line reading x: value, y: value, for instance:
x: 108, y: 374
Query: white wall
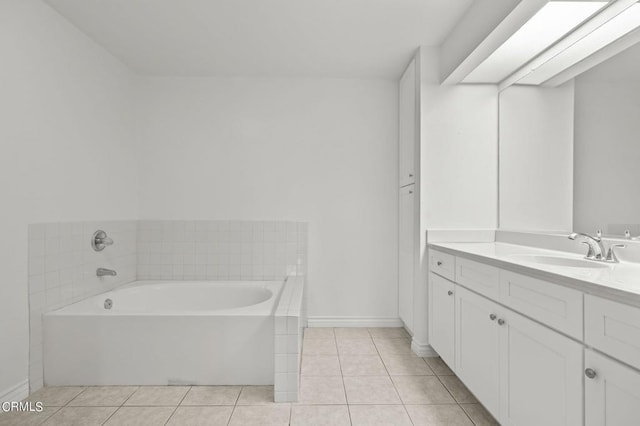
x: 322, y: 151
x: 65, y: 149
x: 607, y: 154
x: 536, y: 158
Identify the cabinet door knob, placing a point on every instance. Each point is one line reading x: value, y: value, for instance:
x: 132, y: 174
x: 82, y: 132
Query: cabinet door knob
x: 450, y: 293
x: 590, y: 373
x: 439, y: 263
x: 501, y: 321
x: 410, y: 175
x: 493, y: 317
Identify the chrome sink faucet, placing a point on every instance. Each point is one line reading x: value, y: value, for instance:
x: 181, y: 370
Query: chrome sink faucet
x: 596, y: 247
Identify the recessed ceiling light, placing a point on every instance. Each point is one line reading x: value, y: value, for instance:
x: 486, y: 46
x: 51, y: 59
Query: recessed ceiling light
x: 552, y: 22
x: 614, y: 29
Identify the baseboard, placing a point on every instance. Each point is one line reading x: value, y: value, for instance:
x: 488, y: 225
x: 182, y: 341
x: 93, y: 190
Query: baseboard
x: 15, y: 393
x: 353, y: 322
x: 422, y: 349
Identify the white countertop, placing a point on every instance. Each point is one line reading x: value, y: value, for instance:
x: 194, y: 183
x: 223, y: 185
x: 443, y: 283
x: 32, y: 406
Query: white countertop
x: 619, y: 281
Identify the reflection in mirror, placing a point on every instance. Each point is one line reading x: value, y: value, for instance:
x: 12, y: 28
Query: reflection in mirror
x: 607, y: 146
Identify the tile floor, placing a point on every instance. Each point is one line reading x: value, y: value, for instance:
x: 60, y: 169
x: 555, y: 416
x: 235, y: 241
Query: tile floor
x: 350, y: 376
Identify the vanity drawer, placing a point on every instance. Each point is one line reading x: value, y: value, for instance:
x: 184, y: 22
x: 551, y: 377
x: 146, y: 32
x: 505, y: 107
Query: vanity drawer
x: 443, y: 264
x: 481, y: 278
x: 556, y: 306
x: 613, y: 328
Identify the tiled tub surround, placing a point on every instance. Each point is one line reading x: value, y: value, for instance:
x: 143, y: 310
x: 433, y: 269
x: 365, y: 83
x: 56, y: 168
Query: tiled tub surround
x: 225, y: 250
x: 63, y: 264
x: 290, y: 319
x: 62, y: 271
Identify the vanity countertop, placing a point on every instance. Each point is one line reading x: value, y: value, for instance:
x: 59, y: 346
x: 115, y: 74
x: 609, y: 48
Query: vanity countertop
x: 619, y: 281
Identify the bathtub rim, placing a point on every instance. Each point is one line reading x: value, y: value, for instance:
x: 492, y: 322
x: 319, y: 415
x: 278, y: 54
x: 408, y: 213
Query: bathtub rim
x: 265, y: 308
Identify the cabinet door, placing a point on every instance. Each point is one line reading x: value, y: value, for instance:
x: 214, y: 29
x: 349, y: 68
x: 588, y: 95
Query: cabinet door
x: 442, y: 317
x: 407, y: 125
x: 478, y: 346
x: 612, y: 396
x: 406, y: 256
x: 540, y: 374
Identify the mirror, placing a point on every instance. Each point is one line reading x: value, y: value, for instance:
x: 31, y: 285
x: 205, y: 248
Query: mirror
x: 606, y: 190
x: 569, y: 156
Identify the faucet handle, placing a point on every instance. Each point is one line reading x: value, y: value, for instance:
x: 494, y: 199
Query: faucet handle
x: 611, y: 254
x: 591, y: 254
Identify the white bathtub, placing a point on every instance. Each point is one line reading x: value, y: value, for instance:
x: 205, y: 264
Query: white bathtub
x: 165, y: 332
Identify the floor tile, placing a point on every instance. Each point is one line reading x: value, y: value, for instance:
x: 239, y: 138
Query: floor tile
x: 362, y: 365
x: 458, y: 390
x: 320, y: 346
x: 157, y: 396
x: 322, y: 390
x: 388, y: 415
x: 320, y: 365
x: 438, y: 366
x: 201, y: 416
x: 55, y: 396
x: 393, y: 346
x: 320, y: 415
x: 356, y: 347
x: 212, y: 395
x: 351, y: 333
x: 370, y: 390
x: 80, y: 416
x: 103, y: 396
x: 261, y: 415
x: 256, y: 395
x: 406, y: 365
x: 438, y: 415
x: 422, y: 390
x: 140, y: 416
x: 318, y: 333
x: 27, y: 418
x: 390, y: 332
x: 479, y: 415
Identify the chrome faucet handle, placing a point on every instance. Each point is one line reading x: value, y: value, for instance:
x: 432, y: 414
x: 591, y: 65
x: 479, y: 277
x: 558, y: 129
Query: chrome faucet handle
x: 611, y: 254
x: 99, y: 240
x: 599, y: 234
x: 591, y: 254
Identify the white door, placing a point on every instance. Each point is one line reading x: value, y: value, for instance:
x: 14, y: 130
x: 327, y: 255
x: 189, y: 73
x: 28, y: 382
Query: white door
x: 612, y: 392
x: 407, y: 125
x: 477, y: 339
x: 406, y: 255
x: 540, y: 376
x: 442, y: 317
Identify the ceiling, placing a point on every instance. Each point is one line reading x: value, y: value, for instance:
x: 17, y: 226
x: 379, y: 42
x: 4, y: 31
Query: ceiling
x: 624, y: 67
x: 302, y: 38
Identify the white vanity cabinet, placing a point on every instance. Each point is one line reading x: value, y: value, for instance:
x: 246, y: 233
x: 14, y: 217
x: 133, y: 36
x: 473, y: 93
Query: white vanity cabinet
x: 523, y: 372
x: 612, y: 392
x: 441, y: 329
x: 477, y: 351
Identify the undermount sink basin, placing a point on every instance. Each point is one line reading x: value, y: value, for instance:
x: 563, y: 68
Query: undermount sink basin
x: 559, y: 261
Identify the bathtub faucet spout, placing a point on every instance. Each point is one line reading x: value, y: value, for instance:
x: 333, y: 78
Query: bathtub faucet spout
x: 101, y: 272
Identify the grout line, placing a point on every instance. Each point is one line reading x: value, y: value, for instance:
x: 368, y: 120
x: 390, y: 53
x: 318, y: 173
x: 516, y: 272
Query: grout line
x: 233, y: 410
x: 179, y: 404
x: 392, y: 382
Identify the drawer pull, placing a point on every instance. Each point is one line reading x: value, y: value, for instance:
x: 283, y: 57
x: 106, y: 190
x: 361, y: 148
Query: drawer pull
x: 439, y: 263
x: 590, y: 373
x: 450, y: 293
x: 501, y: 321
x: 493, y: 317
